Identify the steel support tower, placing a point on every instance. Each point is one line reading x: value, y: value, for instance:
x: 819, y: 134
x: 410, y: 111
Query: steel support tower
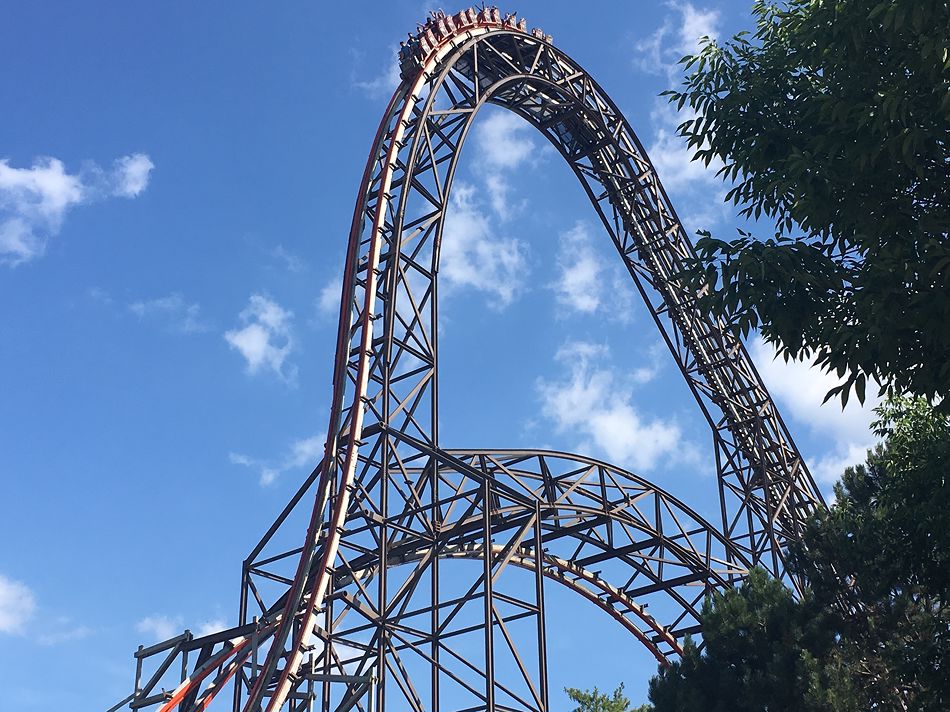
x: 420, y: 580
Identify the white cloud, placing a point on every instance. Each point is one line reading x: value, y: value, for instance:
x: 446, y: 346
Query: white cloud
x: 237, y: 458
x: 499, y: 192
x: 302, y: 453
x: 383, y: 84
x: 100, y: 296
x: 586, y: 283
x: 328, y: 301
x: 34, y: 201
x: 696, y: 24
x: 595, y: 401
x: 131, y: 174
x: 712, y: 209
x: 160, y: 627
x: 306, y: 451
x: 472, y: 253
x: 291, y: 262
x: 503, y: 143
x: 18, y: 608
x: 17, y: 605
x: 63, y: 631
x: 674, y: 163
x: 657, y: 354
x: 695, y: 184
x: 800, y: 389
x: 266, y: 339
x: 213, y: 626
x: 504, y: 140
x: 473, y: 256
x: 828, y: 468
x: 678, y: 35
x: 180, y: 316
x: 579, y: 285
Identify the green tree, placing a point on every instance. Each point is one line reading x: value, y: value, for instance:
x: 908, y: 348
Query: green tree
x: 764, y: 651
x: 832, y: 120
x: 873, y: 632
x: 597, y: 701
x: 879, y: 562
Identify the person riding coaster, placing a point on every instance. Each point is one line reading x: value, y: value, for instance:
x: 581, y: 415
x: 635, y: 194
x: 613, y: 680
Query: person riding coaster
x: 438, y: 27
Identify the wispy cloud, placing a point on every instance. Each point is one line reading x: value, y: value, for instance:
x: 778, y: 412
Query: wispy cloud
x: 34, y: 201
x: 18, y: 615
x: 799, y: 387
x: 100, y: 296
x: 288, y: 260
x: 504, y: 144
x: 17, y: 606
x: 579, y: 286
x: 473, y: 256
x: 594, y: 399
x: 328, y: 300
x: 504, y: 140
x: 130, y: 175
x: 586, y: 283
x: 212, y: 626
x: 473, y: 253
x: 63, y: 630
x: 693, y: 182
x: 302, y: 453
x: 383, y: 84
x: 499, y: 191
x: 679, y: 34
x: 266, y: 338
x: 174, y: 310
x: 160, y: 627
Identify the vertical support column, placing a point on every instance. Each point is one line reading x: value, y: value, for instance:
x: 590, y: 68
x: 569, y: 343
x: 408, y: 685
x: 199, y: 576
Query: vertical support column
x: 720, y: 481
x: 371, y: 702
x: 255, y: 642
x: 137, y: 689
x: 184, y: 657
x: 382, y: 633
x: 434, y: 595
x: 328, y: 647
x: 242, y: 619
x: 487, y: 589
x: 539, y: 599
x: 313, y: 671
x: 436, y: 516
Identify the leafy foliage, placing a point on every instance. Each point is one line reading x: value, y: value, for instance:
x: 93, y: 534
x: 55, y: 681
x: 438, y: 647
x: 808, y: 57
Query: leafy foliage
x: 879, y: 562
x: 764, y: 651
x: 597, y: 701
x: 874, y: 631
x: 832, y: 120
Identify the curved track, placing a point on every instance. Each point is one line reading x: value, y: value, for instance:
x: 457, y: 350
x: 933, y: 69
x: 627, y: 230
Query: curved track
x: 387, y: 492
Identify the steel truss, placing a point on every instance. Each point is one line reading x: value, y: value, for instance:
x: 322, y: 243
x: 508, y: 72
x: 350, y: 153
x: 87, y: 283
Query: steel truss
x: 420, y: 583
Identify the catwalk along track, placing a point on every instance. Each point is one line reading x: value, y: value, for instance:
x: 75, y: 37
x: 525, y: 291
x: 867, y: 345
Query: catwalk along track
x: 420, y: 579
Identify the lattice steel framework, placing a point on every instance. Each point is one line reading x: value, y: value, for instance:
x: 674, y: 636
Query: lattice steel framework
x: 420, y: 583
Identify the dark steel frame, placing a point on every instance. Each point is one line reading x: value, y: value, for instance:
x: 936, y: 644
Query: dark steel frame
x: 374, y: 591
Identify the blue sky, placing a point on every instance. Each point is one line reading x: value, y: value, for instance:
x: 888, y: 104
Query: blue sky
x: 176, y: 188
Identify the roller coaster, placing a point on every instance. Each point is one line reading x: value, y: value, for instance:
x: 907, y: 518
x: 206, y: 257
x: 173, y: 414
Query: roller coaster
x: 419, y: 581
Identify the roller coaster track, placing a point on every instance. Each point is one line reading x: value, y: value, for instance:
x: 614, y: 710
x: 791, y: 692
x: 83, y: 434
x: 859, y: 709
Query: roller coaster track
x: 420, y: 582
